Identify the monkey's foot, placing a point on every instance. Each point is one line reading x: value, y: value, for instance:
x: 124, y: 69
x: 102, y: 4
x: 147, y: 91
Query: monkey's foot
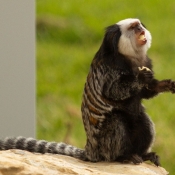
x: 136, y: 159
x: 153, y: 157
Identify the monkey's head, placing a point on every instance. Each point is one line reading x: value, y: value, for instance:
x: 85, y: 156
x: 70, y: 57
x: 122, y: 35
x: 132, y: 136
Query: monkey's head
x: 128, y: 37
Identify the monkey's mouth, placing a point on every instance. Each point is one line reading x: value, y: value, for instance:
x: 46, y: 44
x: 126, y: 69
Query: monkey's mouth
x: 142, y: 39
x: 142, y: 36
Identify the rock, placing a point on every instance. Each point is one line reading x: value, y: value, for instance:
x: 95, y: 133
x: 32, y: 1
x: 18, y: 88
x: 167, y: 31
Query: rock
x: 21, y: 162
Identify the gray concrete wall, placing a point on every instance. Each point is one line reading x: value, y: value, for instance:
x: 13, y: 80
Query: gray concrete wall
x: 17, y: 68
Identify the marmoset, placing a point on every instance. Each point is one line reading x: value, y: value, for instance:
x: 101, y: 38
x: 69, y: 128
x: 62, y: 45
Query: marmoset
x: 115, y: 122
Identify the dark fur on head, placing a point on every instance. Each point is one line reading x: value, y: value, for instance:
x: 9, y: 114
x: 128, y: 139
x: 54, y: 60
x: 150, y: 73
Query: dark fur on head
x: 108, y: 50
x: 111, y: 39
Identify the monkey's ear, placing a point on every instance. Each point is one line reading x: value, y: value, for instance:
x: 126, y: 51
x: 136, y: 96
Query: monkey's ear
x: 143, y: 25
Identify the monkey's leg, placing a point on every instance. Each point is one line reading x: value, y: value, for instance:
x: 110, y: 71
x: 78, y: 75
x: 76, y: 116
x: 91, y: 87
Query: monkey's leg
x: 153, y: 157
x: 92, y: 151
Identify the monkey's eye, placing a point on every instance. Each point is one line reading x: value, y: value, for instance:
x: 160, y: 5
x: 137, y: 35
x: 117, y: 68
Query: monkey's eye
x: 135, y: 26
x: 131, y: 28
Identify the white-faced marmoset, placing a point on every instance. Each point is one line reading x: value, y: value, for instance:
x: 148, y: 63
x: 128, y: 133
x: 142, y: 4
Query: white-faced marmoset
x: 116, y: 125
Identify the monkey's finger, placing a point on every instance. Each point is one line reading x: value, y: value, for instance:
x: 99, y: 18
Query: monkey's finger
x: 173, y: 87
x: 148, y: 75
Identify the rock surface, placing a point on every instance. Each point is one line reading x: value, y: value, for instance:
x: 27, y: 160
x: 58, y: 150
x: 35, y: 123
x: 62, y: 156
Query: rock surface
x: 20, y: 162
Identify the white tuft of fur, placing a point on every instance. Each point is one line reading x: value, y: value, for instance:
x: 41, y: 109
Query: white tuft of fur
x: 127, y: 45
x: 126, y: 22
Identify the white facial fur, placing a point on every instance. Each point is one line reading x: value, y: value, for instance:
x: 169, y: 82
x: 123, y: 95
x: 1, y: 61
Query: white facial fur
x: 127, y: 43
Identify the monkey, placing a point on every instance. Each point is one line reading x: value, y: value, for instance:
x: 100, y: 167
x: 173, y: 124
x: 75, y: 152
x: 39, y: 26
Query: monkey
x: 116, y: 124
x: 121, y: 75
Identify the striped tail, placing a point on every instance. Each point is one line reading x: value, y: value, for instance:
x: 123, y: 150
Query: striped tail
x: 41, y: 146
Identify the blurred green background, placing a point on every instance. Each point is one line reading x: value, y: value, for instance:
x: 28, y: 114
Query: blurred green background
x: 68, y: 35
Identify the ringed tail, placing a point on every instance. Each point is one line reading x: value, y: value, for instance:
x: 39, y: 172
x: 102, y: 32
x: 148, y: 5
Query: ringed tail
x: 41, y: 146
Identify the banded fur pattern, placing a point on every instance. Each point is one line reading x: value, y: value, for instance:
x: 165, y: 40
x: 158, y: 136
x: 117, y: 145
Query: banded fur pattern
x: 41, y: 146
x: 93, y: 101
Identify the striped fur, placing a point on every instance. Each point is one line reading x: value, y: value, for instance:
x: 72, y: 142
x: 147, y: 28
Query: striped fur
x: 41, y: 146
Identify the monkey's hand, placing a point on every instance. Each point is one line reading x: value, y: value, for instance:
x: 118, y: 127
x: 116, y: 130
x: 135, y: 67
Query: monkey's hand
x: 145, y: 75
x: 172, y: 86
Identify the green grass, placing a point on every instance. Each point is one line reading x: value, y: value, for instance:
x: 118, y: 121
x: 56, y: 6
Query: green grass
x: 68, y: 35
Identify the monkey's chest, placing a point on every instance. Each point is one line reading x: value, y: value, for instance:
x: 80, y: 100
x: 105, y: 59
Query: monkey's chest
x: 130, y: 106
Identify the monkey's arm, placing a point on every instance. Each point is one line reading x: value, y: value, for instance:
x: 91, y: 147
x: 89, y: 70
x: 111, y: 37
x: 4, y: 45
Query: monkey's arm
x: 122, y: 85
x: 151, y: 86
x: 155, y: 87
